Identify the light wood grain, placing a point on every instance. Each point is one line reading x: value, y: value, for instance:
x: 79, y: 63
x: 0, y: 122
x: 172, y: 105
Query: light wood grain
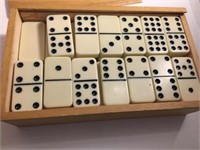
x: 9, y: 57
x: 62, y: 3
x: 63, y: 115
x: 108, y: 9
x: 41, y: 16
x: 28, y: 14
x: 193, y: 54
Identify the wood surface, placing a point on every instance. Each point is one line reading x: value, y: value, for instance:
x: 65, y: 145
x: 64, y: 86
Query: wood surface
x: 29, y: 14
x: 193, y: 54
x: 10, y: 55
x: 63, y: 115
x: 62, y: 3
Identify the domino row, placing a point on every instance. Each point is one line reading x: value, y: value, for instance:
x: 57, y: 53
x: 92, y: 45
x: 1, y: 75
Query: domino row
x: 104, y: 36
x: 84, y: 82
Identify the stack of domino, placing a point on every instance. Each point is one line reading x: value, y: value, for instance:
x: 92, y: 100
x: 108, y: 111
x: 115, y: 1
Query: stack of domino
x: 102, y: 60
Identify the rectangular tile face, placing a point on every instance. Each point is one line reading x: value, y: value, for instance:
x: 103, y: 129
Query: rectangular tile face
x: 58, y: 82
x: 113, y: 81
x: 178, y: 44
x: 152, y: 25
x: 87, y: 36
x: 139, y: 79
x: 156, y: 44
x: 32, y: 42
x: 85, y: 82
x: 187, y: 78
x: 57, y: 68
x: 166, y: 89
x: 108, y: 24
x: 130, y: 24
x: 60, y: 39
x: 27, y: 86
x: 87, y: 45
x: 111, y: 45
x: 134, y: 44
x: 156, y: 64
x: 84, y: 69
x: 172, y: 24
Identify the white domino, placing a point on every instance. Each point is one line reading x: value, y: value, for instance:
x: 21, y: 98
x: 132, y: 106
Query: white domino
x: 85, y: 82
x: 133, y: 39
x: 114, y: 86
x: 60, y: 39
x: 178, y: 44
x: 57, y: 82
x: 165, y: 83
x: 187, y: 78
x: 27, y: 86
x: 176, y: 38
x: 172, y: 24
x: 139, y: 79
x: 32, y: 41
x: 154, y: 35
x: 86, y: 34
x: 110, y: 36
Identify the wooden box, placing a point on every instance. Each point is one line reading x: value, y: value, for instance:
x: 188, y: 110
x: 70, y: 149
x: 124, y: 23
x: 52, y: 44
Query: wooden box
x: 30, y: 11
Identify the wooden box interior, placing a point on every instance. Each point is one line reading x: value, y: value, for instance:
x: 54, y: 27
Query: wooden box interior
x: 63, y: 115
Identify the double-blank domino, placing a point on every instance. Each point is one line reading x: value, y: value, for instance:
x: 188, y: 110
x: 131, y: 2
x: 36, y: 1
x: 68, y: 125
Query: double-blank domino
x: 32, y: 42
x: 57, y: 82
x: 27, y: 86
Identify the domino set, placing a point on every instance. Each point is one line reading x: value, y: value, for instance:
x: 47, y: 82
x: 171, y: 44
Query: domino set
x: 78, y: 65
x: 118, y: 45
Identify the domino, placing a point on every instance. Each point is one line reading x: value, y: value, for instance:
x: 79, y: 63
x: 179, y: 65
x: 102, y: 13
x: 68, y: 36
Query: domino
x: 187, y: 78
x: 165, y: 83
x: 110, y: 36
x: 178, y: 44
x: 114, y: 86
x: 85, y: 82
x: 87, y: 37
x: 172, y: 24
x: 57, y: 82
x: 154, y: 35
x: 27, y: 86
x: 139, y: 79
x: 176, y: 38
x: 60, y: 39
x: 133, y: 39
x: 32, y: 41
